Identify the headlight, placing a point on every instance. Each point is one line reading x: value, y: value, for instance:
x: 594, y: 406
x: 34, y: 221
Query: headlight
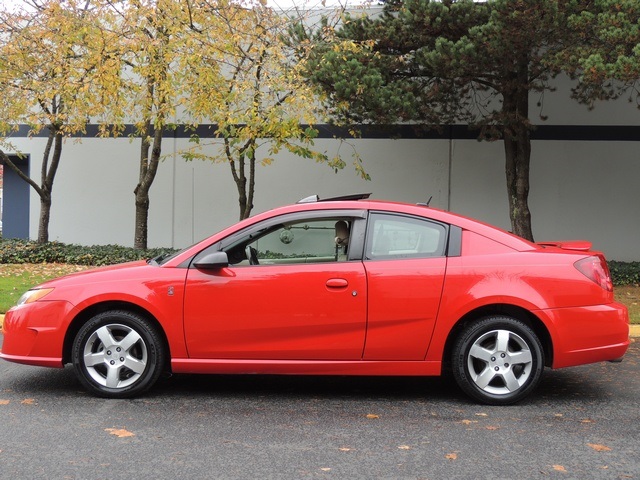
x: 34, y: 295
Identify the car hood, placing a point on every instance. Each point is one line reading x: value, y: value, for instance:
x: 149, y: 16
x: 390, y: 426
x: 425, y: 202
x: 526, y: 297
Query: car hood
x: 96, y: 274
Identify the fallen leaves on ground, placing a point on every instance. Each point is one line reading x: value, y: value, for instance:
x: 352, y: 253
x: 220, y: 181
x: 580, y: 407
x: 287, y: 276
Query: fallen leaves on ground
x: 28, y: 401
x: 119, y: 432
x: 559, y: 468
x: 599, y: 448
x: 451, y: 456
x: 372, y: 415
x: 4, y: 402
x: 41, y: 269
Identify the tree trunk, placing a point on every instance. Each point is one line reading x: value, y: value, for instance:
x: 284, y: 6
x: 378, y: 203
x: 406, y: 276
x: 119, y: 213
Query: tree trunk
x: 238, y: 171
x: 252, y: 182
x: 517, y: 147
x: 142, y: 218
x: 518, y: 156
x: 241, y: 185
x: 45, y: 213
x: 48, y: 175
x: 148, y: 169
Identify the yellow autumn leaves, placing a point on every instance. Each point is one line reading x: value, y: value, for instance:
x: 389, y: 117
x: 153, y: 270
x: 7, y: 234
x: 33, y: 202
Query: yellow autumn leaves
x: 157, y: 64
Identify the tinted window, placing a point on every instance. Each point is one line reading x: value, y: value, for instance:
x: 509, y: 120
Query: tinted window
x: 308, y: 241
x: 395, y: 236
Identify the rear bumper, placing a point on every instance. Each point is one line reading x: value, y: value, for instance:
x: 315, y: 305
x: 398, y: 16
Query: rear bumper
x: 582, y: 335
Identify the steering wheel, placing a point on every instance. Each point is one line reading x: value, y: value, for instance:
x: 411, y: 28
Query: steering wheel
x: 252, y: 255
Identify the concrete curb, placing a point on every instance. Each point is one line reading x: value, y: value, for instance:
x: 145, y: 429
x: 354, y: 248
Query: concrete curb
x: 634, y: 330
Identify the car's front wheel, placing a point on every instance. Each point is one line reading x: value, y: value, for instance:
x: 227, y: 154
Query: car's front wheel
x: 498, y: 360
x: 118, y: 354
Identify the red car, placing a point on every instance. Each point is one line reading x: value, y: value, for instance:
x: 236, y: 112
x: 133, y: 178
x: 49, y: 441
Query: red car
x: 346, y: 286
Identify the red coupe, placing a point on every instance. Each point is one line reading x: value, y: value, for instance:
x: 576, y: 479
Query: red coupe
x: 345, y: 286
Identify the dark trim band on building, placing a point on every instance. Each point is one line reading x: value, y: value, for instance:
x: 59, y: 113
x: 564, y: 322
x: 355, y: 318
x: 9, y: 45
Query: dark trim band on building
x: 600, y: 133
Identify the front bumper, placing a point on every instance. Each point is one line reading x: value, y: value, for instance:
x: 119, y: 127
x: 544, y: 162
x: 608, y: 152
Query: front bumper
x: 34, y: 333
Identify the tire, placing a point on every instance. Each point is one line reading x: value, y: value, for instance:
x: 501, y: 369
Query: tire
x: 498, y: 360
x: 118, y: 354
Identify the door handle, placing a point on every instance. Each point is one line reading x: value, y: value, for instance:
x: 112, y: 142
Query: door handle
x: 337, y: 283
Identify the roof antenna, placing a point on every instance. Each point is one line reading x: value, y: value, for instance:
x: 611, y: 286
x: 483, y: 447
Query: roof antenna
x: 422, y: 204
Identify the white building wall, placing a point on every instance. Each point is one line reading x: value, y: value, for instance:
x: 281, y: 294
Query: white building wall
x: 579, y: 189
x: 559, y: 109
x: 588, y: 190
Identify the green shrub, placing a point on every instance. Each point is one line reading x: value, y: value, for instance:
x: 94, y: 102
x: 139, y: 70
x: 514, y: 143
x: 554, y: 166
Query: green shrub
x: 21, y: 251
x: 625, y: 273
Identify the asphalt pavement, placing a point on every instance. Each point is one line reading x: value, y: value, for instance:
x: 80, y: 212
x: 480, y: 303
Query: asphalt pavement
x: 582, y: 423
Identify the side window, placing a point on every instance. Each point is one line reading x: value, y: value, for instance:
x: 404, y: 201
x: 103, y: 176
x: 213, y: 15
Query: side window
x: 396, y: 236
x: 309, y: 241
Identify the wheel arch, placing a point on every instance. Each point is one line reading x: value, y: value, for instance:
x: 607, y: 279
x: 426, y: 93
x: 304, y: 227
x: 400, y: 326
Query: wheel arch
x: 95, y: 309
x: 514, y: 311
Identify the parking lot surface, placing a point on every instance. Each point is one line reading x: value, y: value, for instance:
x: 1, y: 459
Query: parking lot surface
x: 581, y: 423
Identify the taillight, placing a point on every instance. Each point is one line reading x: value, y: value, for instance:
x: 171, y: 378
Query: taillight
x: 595, y: 268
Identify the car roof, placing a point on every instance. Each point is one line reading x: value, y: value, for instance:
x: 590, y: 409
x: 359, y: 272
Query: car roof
x: 362, y: 201
x: 344, y: 203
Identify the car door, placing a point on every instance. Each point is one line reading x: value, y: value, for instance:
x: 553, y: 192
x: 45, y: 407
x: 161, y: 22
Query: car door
x: 289, y: 293
x: 405, y: 263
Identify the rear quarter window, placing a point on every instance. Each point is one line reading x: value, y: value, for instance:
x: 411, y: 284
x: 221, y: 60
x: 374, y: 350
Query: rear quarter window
x: 396, y: 236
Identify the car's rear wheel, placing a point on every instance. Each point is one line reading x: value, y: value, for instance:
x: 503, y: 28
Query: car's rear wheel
x: 498, y: 360
x: 118, y: 354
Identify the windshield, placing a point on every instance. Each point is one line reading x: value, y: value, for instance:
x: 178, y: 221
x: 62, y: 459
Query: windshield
x: 165, y: 257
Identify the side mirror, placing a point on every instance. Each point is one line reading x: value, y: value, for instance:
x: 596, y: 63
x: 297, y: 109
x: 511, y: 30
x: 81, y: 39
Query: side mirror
x: 212, y: 261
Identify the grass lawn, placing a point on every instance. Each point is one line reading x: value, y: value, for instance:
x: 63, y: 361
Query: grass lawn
x: 630, y: 296
x: 17, y: 279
